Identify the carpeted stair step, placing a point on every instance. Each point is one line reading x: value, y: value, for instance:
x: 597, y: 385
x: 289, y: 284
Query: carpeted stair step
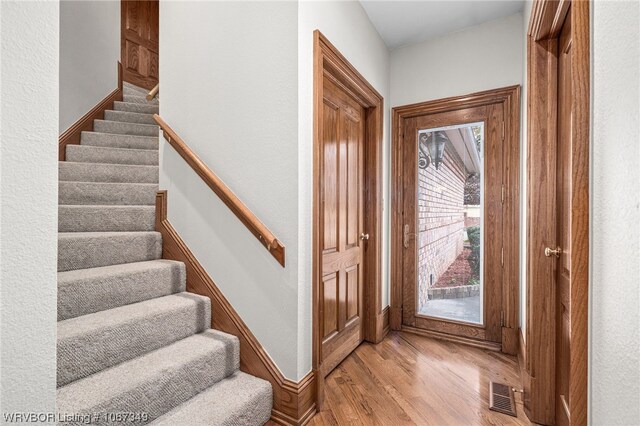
x: 132, y: 89
x: 96, y: 218
x: 103, y: 172
x: 107, y: 193
x: 135, y: 107
x: 85, y: 291
x: 99, y: 154
x: 240, y: 399
x: 112, y: 140
x: 129, y: 117
x: 82, y: 250
x: 155, y: 383
x: 117, y: 127
x: 94, y: 342
x: 139, y: 99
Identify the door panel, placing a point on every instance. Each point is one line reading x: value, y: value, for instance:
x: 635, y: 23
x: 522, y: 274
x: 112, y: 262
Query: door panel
x: 452, y: 217
x: 563, y: 202
x: 139, y: 42
x: 341, y: 198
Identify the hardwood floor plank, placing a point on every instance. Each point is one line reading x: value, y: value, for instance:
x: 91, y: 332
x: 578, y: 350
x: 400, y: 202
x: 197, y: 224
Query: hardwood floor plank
x: 414, y: 380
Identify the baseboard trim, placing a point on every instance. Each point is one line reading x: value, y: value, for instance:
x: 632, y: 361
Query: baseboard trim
x: 492, y: 346
x: 71, y: 136
x: 382, y: 325
x: 294, y: 403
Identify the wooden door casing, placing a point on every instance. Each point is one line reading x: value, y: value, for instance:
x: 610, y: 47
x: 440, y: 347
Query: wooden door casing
x: 563, y: 228
x: 341, y: 196
x: 493, y: 118
x: 139, y: 22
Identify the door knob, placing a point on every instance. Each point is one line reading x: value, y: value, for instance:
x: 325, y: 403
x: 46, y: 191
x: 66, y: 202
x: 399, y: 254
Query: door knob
x: 364, y: 237
x: 551, y: 252
x: 407, y: 235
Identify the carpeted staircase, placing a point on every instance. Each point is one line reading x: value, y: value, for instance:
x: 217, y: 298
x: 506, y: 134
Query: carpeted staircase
x: 133, y: 346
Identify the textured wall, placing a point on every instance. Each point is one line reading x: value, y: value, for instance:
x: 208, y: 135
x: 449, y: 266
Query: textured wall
x: 89, y: 52
x: 615, y: 215
x: 28, y: 214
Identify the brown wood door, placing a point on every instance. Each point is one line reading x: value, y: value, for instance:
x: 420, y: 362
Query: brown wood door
x: 452, y: 262
x: 563, y: 229
x: 341, y: 226
x: 139, y: 42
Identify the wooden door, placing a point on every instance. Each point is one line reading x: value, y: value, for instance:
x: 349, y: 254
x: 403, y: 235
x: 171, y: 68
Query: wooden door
x: 139, y: 42
x: 563, y: 229
x: 341, y: 226
x: 438, y: 294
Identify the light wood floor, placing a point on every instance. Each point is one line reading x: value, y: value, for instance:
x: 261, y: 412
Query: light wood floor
x: 410, y: 379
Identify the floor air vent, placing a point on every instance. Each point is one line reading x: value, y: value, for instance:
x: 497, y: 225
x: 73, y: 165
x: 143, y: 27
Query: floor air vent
x: 501, y: 399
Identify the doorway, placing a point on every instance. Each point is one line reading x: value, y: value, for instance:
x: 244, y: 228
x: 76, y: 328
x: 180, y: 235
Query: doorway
x: 347, y: 211
x: 139, y: 47
x: 455, y: 252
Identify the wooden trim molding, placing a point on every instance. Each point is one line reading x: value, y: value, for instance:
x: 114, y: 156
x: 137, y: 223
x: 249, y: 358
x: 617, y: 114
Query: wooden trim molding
x: 331, y: 64
x: 231, y: 200
x: 293, y: 403
x: 546, y: 22
x: 510, y: 98
x: 72, y: 135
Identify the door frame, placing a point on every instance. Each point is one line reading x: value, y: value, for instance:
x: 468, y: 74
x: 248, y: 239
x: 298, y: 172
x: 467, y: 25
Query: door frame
x: 545, y: 25
x: 329, y: 63
x: 510, y: 99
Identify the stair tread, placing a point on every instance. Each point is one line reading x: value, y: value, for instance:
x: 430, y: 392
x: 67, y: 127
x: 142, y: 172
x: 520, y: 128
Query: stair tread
x: 112, y: 149
x: 102, y: 218
x: 101, y: 193
x: 156, y: 382
x: 136, y: 107
x: 240, y: 399
x: 91, y: 343
x: 128, y: 116
x: 120, y: 135
x: 85, y: 291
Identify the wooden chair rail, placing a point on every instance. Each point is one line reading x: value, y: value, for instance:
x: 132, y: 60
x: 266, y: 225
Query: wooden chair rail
x: 242, y: 212
x: 153, y: 92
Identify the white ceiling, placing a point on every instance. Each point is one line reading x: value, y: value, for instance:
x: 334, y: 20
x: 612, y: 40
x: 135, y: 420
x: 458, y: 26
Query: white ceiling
x: 407, y: 22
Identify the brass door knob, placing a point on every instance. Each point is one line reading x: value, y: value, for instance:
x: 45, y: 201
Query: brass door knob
x: 364, y: 237
x: 551, y: 252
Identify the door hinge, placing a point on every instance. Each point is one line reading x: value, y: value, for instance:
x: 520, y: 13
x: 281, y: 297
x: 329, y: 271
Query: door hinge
x: 502, y: 196
x: 501, y: 318
x: 503, y: 130
x: 502, y: 257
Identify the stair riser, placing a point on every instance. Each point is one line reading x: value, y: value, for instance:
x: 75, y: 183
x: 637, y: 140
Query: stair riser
x: 80, y: 252
x: 129, y: 117
x: 100, y: 172
x: 87, y: 193
x: 94, y: 154
x: 111, y: 140
x: 83, y: 354
x: 125, y: 128
x: 139, y: 100
x: 81, y: 295
x: 135, y: 107
x: 103, y: 219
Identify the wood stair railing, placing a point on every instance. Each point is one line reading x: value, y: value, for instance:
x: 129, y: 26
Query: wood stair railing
x: 153, y: 92
x: 242, y: 212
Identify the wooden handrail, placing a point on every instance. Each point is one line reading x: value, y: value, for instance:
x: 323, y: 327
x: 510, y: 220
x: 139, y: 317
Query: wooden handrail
x: 242, y: 212
x: 153, y: 92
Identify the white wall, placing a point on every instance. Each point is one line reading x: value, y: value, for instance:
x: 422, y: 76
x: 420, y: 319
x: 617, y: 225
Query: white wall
x: 523, y: 172
x: 229, y: 88
x: 89, y: 52
x: 29, y: 209
x: 347, y: 27
x: 615, y: 215
x: 487, y: 56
